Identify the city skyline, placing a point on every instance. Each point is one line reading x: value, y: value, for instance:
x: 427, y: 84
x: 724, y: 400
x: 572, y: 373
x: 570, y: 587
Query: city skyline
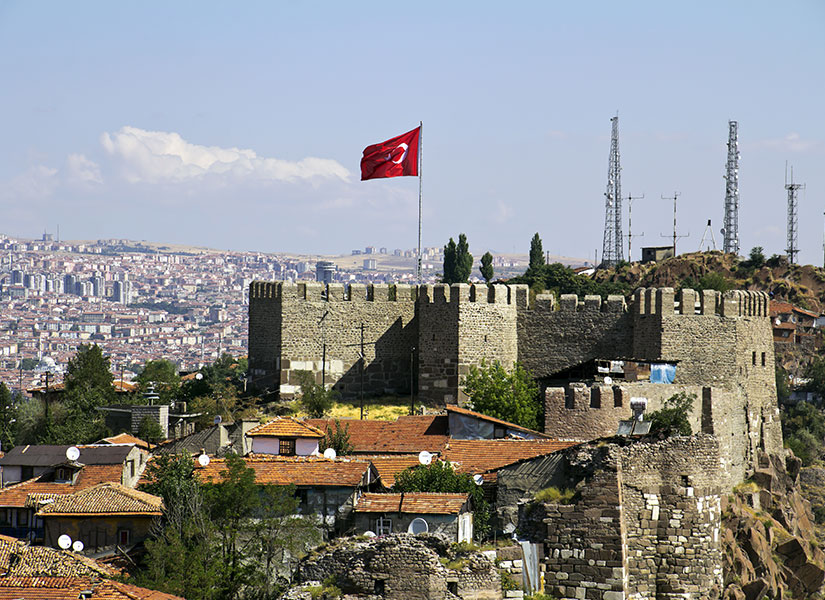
x: 242, y: 127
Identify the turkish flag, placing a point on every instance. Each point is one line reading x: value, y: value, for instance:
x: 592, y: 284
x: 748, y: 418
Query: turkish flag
x: 394, y: 158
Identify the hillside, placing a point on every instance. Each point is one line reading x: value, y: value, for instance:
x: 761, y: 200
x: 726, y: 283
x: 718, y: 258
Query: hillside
x: 803, y: 286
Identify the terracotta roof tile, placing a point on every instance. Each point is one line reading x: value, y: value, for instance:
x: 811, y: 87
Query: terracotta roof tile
x: 286, y: 427
x: 42, y: 561
x: 91, y: 475
x: 15, y: 496
x: 69, y: 588
x: 412, y: 503
x: 406, y: 435
x: 125, y: 438
x: 103, y: 499
x: 485, y: 456
x: 471, y: 413
x: 298, y: 470
x: 389, y: 466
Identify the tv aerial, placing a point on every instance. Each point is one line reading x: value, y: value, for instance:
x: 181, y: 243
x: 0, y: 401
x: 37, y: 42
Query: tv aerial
x: 478, y: 479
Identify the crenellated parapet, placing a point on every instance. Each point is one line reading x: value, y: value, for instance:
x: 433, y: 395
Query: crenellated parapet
x: 442, y: 293
x: 333, y: 292
x: 669, y: 302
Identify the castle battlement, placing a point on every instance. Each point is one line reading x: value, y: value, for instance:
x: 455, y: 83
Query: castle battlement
x: 571, y: 303
x: 443, y: 293
x: 333, y: 292
x: 667, y: 302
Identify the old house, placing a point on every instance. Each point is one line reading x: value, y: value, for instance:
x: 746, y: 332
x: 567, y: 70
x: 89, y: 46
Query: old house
x: 102, y: 517
x: 326, y: 488
x: 416, y: 512
x: 792, y: 324
x: 76, y: 588
x: 285, y: 436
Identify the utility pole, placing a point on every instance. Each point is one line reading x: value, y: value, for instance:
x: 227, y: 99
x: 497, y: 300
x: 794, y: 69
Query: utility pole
x: 793, y: 216
x: 612, y: 248
x: 730, y: 230
x: 675, y: 235
x: 630, y: 235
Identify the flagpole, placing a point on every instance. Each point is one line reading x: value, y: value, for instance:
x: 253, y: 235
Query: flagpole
x: 420, y: 190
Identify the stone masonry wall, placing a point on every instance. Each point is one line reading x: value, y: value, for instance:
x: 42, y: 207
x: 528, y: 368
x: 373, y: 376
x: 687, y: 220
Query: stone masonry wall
x: 290, y: 335
x: 645, y: 526
x: 551, y: 339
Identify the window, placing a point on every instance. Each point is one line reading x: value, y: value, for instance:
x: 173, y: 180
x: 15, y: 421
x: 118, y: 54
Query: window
x: 595, y: 398
x: 286, y: 447
x: 763, y: 359
x: 380, y: 587
x: 383, y: 526
x: 569, y: 399
x: 131, y: 468
x: 62, y: 474
x: 124, y: 536
x: 26, y: 473
x: 498, y: 432
x: 617, y: 397
x: 4, y: 517
x: 754, y: 359
x: 22, y: 517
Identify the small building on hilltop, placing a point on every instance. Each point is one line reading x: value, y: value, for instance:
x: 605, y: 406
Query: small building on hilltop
x: 416, y: 512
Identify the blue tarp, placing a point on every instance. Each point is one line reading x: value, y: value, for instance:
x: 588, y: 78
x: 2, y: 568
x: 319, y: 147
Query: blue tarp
x: 662, y: 373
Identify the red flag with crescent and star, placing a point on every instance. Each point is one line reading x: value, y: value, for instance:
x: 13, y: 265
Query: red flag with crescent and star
x: 394, y: 158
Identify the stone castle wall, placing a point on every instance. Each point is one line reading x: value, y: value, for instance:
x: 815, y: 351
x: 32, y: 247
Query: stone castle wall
x: 645, y: 524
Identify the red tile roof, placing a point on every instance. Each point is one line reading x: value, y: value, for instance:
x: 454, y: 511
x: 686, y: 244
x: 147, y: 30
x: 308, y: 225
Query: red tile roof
x: 125, y: 438
x: 14, y: 496
x: 388, y: 466
x: 69, y: 588
x: 470, y: 413
x: 406, y: 435
x: 42, y: 561
x: 286, y: 427
x: 412, y: 503
x: 104, y: 499
x: 91, y: 475
x: 485, y: 456
x: 294, y: 470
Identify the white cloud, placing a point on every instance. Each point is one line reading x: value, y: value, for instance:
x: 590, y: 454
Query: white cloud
x: 80, y: 169
x: 34, y: 183
x: 159, y: 156
x: 792, y: 142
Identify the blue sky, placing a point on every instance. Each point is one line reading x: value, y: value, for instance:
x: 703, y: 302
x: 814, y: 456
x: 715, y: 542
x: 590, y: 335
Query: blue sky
x: 241, y: 125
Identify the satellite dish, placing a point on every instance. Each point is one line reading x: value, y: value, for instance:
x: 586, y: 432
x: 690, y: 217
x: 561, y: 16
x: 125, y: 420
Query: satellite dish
x: 777, y: 322
x: 77, y: 546
x: 64, y: 541
x: 608, y: 380
x: 478, y: 479
x: 203, y: 460
x: 418, y: 525
x: 369, y: 534
x: 330, y: 453
x: 217, y: 420
x: 72, y: 453
x: 425, y: 457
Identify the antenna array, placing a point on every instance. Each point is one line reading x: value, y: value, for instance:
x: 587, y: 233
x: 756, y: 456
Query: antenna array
x: 730, y: 231
x: 793, y: 217
x: 612, y: 251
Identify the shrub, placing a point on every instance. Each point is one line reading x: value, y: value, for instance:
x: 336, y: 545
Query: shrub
x: 315, y: 400
x: 672, y: 418
x: 556, y: 496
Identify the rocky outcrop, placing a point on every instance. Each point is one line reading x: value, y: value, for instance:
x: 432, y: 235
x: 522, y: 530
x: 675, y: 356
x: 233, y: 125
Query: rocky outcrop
x: 400, y: 567
x: 768, y: 538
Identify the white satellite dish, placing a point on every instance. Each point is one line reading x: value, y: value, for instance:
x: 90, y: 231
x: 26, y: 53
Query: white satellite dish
x: 217, y: 420
x: 330, y: 453
x: 203, y: 460
x: 369, y: 534
x: 77, y: 546
x: 425, y: 457
x: 72, y: 453
x: 64, y: 541
x: 608, y: 380
x: 478, y: 479
x: 418, y: 525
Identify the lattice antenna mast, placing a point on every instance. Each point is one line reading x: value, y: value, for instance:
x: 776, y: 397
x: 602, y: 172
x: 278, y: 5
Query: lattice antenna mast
x: 793, y: 216
x: 730, y: 231
x: 612, y: 249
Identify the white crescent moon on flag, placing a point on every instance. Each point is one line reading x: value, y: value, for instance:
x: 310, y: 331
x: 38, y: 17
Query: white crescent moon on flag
x: 403, y: 156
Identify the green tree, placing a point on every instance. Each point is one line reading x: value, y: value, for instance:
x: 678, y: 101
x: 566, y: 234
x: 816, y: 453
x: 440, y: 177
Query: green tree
x: 88, y: 379
x: 440, y: 476
x: 536, y: 253
x: 315, y: 400
x: 337, y: 439
x: 815, y: 374
x: 756, y: 259
x: 486, y: 268
x: 512, y: 396
x: 450, y: 262
x: 8, y: 419
x: 458, y: 262
x: 150, y: 431
x: 673, y: 417
x: 463, y: 260
x: 783, y: 386
x: 163, y: 376
x: 803, y: 428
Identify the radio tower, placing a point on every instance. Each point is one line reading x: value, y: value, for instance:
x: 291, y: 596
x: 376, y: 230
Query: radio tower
x: 793, y: 219
x: 612, y: 251
x: 730, y: 231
